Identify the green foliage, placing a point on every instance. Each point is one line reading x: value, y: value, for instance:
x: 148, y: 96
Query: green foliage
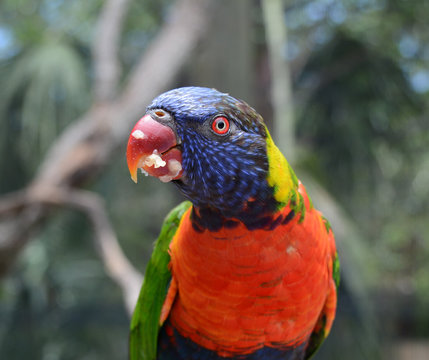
x: 45, y: 69
x: 48, y: 84
x: 58, y: 302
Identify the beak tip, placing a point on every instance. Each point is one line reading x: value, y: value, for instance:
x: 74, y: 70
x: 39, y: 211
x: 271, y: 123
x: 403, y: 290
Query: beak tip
x: 134, y: 175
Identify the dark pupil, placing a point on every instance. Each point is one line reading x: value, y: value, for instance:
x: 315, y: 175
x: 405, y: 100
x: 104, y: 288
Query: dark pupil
x: 220, y: 125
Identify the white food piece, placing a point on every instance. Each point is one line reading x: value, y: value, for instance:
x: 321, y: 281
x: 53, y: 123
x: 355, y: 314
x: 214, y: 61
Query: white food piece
x: 175, y: 167
x: 144, y: 172
x: 166, y: 178
x: 154, y: 160
x: 138, y: 134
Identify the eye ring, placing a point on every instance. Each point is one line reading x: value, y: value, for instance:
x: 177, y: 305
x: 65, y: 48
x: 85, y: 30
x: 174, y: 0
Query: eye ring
x: 220, y: 125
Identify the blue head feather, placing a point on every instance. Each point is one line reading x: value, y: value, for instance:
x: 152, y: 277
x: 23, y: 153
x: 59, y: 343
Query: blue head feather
x: 224, y: 175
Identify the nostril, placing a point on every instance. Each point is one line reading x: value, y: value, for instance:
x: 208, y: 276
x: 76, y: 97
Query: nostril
x: 160, y: 113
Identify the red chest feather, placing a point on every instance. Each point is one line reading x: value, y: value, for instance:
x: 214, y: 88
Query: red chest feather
x: 241, y: 290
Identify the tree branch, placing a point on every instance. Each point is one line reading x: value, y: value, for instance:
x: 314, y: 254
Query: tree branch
x: 165, y: 56
x: 115, y: 262
x: 106, y: 47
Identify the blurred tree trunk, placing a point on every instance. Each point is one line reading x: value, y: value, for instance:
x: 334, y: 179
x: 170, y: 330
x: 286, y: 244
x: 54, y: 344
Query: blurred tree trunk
x: 281, y: 85
x: 227, y: 61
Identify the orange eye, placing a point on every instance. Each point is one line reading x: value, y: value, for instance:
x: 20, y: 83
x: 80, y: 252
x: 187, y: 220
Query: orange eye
x: 220, y: 125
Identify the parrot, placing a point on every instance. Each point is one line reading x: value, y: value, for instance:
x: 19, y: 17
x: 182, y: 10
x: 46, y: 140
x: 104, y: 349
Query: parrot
x: 245, y: 267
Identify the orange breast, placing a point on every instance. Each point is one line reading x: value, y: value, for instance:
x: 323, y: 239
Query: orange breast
x: 240, y: 290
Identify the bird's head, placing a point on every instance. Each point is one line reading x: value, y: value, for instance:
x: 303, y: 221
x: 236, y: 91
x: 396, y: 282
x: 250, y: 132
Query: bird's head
x: 215, y: 148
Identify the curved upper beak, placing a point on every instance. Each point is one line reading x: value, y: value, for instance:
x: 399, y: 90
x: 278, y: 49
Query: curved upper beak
x: 152, y: 147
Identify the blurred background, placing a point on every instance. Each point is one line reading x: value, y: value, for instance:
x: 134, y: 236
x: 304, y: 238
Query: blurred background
x: 344, y: 87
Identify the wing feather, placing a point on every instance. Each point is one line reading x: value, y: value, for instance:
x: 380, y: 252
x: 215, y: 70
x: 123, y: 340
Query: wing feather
x: 145, y: 323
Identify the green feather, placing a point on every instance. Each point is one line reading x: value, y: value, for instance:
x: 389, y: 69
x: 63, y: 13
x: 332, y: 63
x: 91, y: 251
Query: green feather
x: 145, y: 322
x: 301, y: 208
x: 318, y: 337
x: 327, y: 224
x: 336, y: 271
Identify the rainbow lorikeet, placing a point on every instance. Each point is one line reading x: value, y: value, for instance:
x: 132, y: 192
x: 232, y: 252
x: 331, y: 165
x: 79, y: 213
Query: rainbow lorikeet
x: 248, y: 268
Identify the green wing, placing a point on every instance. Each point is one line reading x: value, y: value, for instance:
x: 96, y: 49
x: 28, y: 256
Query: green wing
x: 145, y: 322
x: 319, y: 336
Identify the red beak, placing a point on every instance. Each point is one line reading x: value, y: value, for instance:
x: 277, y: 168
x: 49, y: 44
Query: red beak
x: 152, y: 147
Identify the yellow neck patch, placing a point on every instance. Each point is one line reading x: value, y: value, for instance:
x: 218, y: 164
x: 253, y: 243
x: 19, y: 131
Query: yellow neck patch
x: 281, y: 177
